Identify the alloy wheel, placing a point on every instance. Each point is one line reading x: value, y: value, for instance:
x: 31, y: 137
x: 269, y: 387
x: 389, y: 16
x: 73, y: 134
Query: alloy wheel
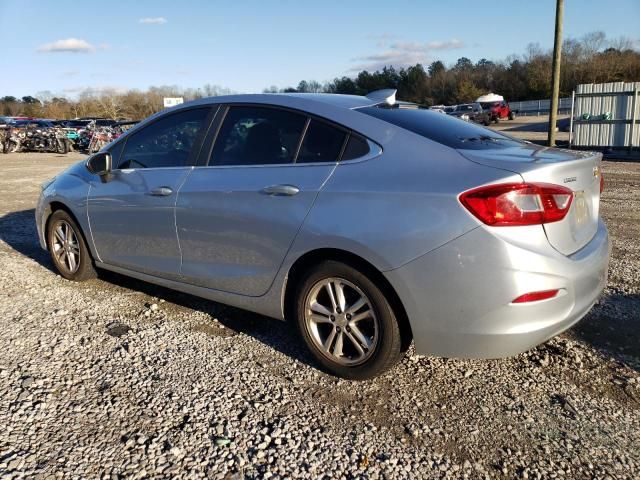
x: 341, y: 321
x: 65, y: 247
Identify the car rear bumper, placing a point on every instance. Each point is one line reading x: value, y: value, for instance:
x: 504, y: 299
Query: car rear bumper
x: 458, y: 297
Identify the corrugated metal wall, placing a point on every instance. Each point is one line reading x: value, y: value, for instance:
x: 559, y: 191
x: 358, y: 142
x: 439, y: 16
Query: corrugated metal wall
x: 603, y: 115
x: 538, y: 107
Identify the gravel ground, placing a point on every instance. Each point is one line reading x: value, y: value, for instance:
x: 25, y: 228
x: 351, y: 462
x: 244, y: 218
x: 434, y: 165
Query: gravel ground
x: 532, y: 128
x: 116, y: 378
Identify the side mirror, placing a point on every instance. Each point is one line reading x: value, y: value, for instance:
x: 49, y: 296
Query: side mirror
x: 100, y: 164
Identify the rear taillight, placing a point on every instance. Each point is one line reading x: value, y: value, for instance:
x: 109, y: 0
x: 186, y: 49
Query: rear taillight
x: 601, y: 182
x: 517, y: 204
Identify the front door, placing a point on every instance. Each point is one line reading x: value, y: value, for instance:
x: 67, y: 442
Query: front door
x: 132, y: 216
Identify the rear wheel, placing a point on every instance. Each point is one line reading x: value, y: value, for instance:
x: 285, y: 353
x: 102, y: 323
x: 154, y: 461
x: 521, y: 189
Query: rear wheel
x: 496, y: 119
x: 68, y: 248
x: 512, y: 116
x: 347, y: 322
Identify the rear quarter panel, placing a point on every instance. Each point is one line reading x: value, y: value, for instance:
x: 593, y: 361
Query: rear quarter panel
x: 396, y: 207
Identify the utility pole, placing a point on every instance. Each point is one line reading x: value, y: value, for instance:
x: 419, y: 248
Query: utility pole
x: 555, y: 89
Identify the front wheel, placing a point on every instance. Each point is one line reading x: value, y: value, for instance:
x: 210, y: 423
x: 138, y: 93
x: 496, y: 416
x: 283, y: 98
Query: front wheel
x: 347, y: 322
x: 68, y: 249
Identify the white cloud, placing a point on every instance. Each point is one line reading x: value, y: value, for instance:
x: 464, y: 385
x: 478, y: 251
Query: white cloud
x: 153, y: 20
x: 73, y: 45
x: 402, y: 54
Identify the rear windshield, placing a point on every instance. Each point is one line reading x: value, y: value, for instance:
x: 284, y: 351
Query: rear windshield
x: 444, y: 129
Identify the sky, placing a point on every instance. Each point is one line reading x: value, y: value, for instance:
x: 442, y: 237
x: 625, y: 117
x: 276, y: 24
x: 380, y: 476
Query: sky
x: 67, y: 46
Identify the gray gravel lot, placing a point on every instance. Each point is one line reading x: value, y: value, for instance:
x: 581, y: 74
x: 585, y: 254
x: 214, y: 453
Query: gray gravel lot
x: 116, y: 378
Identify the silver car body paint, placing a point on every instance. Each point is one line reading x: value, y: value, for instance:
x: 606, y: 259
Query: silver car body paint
x: 219, y: 237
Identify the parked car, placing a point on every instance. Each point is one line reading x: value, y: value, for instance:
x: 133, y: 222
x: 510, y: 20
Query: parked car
x: 472, y: 112
x: 78, y: 124
x: 499, y: 110
x: 99, y: 121
x: 365, y: 225
x: 564, y: 124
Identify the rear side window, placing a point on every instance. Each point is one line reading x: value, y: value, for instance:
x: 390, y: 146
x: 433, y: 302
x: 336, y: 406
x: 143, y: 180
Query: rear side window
x: 322, y: 143
x: 258, y: 136
x: 443, y: 129
x: 356, y: 147
x: 167, y: 142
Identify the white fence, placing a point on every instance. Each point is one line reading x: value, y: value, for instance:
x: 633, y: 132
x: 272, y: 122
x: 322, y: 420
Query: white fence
x: 540, y: 107
x: 606, y: 115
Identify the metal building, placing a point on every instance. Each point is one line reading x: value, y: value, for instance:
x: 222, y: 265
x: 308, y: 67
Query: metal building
x: 605, y: 115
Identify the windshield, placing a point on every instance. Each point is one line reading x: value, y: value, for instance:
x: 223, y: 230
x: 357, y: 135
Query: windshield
x: 489, y: 105
x: 443, y: 129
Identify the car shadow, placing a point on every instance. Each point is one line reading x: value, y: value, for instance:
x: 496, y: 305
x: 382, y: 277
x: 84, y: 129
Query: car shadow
x: 613, y: 328
x: 279, y: 335
x: 18, y: 231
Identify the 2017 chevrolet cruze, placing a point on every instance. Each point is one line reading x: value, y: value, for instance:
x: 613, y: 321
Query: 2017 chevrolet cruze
x: 365, y: 222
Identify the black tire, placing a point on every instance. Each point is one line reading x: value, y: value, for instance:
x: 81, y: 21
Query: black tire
x: 496, y: 119
x: 512, y: 116
x: 62, y: 146
x: 387, y: 346
x: 85, y: 269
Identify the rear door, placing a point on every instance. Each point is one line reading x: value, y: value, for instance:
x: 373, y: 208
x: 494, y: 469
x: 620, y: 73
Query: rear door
x: 132, y: 216
x: 238, y: 216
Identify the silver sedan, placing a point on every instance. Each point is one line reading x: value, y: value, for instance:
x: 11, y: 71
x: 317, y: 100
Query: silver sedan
x: 367, y: 223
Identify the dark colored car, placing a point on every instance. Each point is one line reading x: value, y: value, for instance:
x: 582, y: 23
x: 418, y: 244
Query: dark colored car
x: 76, y: 123
x: 498, y: 110
x: 472, y: 112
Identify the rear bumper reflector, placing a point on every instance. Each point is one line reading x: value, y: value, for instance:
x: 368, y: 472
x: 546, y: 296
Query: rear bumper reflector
x: 536, y: 296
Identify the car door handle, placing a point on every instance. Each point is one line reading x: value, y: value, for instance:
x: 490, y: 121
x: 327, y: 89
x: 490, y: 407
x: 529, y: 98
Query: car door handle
x: 161, y: 192
x: 281, y: 190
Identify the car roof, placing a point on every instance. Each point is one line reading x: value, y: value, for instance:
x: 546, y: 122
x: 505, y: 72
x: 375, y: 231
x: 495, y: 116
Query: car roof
x: 333, y: 99
x: 338, y: 108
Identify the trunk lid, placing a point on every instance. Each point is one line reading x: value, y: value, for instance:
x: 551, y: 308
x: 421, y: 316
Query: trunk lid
x: 579, y: 171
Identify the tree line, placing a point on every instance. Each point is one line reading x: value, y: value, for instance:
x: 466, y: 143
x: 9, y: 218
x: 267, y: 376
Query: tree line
x: 591, y: 59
